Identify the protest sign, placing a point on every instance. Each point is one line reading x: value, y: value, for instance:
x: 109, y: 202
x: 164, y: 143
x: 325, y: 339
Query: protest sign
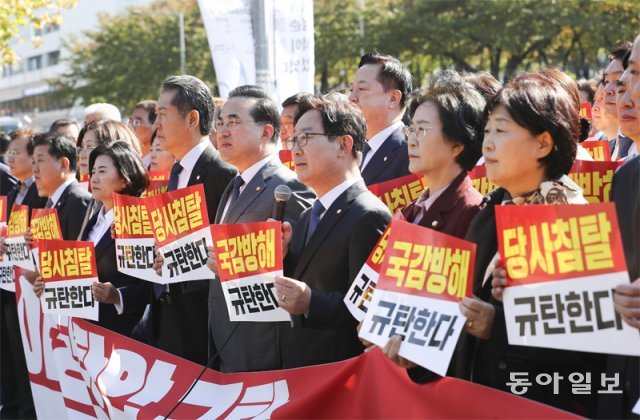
x: 180, y: 226
x: 134, y: 241
x: 424, y: 275
x: 480, y: 181
x: 598, y: 149
x: 18, y: 252
x: 249, y: 257
x: 594, y: 178
x: 68, y: 269
x: 563, y: 263
x: 399, y: 192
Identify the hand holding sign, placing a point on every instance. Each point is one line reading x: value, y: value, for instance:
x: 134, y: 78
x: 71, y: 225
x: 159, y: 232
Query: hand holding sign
x: 105, y: 293
x: 211, y: 261
x: 392, y: 351
x: 293, y: 296
x: 627, y: 302
x: 480, y: 316
x: 158, y: 263
x: 38, y: 286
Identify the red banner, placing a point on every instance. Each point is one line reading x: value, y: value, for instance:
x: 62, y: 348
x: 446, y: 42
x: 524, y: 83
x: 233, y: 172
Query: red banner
x: 287, y: 159
x: 80, y: 369
x: 45, y: 225
x: 594, y: 178
x: 399, y: 192
x: 585, y: 110
x: 424, y: 262
x: 67, y: 260
x: 176, y: 214
x: 599, y: 150
x: 480, y: 181
x: 544, y: 243
x: 18, y: 221
x: 130, y: 217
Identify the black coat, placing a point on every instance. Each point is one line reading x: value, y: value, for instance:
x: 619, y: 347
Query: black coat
x: 71, y: 207
x: 390, y: 161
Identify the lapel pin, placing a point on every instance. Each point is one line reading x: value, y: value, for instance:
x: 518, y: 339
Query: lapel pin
x: 198, y: 177
x: 339, y: 211
x: 258, y: 189
x: 434, y: 224
x: 385, y: 158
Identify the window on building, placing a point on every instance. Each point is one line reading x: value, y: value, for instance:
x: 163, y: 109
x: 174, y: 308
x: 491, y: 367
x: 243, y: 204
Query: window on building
x: 53, y: 58
x: 34, y: 63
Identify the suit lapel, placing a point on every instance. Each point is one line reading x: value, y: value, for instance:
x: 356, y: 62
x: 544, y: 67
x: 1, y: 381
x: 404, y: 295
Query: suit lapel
x: 64, y: 196
x: 331, y: 217
x: 223, y: 203
x: 208, y: 155
x: 251, y: 192
x: 103, y: 244
x: 434, y: 217
x: 382, y: 157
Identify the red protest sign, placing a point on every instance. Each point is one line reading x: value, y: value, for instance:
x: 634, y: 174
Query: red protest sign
x: 599, y: 150
x: 18, y: 220
x: 45, y: 224
x: 594, y: 178
x: 3, y: 209
x: 176, y: 214
x: 130, y: 217
x: 480, y: 181
x: 544, y: 243
x: 287, y: 159
x: 585, y: 110
x: 67, y: 260
x: 423, y: 262
x: 158, y: 176
x: 399, y: 192
x: 247, y: 249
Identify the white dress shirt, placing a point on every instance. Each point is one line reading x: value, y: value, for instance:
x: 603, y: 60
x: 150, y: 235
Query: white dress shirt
x: 58, y: 192
x: 376, y: 141
x: 332, y: 195
x: 188, y: 161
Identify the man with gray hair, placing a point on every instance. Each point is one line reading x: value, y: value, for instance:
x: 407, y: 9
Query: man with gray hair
x: 101, y: 111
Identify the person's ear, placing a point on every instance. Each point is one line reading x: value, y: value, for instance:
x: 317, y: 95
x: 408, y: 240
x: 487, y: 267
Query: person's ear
x: 545, y: 144
x: 346, y: 145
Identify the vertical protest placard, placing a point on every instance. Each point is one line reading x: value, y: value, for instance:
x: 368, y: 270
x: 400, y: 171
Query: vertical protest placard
x: 134, y: 240
x: 423, y: 277
x: 180, y: 226
x: 45, y: 226
x: 585, y: 111
x: 598, y: 149
x: 249, y: 257
x: 68, y: 269
x: 399, y: 192
x: 594, y: 178
x: 480, y: 181
x: 159, y: 183
x: 18, y: 252
x: 563, y: 263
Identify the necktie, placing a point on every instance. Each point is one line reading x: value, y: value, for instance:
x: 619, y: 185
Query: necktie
x: 316, y: 212
x: 49, y: 203
x: 174, y: 176
x: 365, y: 151
x: 235, y: 192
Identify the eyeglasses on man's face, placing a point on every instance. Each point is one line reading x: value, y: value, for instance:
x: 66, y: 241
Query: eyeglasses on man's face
x: 303, y: 138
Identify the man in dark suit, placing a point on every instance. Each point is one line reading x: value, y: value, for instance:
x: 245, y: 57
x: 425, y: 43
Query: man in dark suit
x: 381, y: 88
x: 184, y: 119
x: 16, y: 400
x: 7, y: 181
x: 54, y: 166
x: 625, y: 193
x: 332, y: 240
x: 248, y: 131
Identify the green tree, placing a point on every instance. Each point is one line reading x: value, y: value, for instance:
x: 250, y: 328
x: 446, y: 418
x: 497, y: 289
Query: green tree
x: 17, y: 13
x: 126, y: 58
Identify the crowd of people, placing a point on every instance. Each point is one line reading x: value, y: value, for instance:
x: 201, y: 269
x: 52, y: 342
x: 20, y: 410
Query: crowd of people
x: 527, y: 133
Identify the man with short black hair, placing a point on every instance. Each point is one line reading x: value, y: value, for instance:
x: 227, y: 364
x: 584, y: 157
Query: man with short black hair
x: 184, y: 119
x: 67, y: 127
x: 381, y: 88
x: 289, y: 111
x: 141, y: 121
x: 618, y: 145
x: 332, y: 240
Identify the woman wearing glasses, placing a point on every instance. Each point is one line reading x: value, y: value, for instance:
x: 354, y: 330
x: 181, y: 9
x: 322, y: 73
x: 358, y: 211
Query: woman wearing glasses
x: 445, y: 139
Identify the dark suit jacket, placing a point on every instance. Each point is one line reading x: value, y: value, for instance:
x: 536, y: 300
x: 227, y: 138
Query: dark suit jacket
x: 254, y: 345
x: 184, y: 322
x: 71, y: 207
x: 489, y: 362
x: 624, y: 144
x: 7, y: 181
x: 329, y: 263
x: 625, y: 193
x: 135, y: 292
x: 389, y: 162
x: 31, y: 199
x: 451, y: 213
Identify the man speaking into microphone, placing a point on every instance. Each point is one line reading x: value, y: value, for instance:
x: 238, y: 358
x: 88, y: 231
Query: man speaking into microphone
x: 248, y: 132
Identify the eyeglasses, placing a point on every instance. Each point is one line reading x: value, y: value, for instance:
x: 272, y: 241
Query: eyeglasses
x: 231, y: 123
x: 417, y: 133
x: 87, y: 149
x: 303, y: 138
x: 135, y: 123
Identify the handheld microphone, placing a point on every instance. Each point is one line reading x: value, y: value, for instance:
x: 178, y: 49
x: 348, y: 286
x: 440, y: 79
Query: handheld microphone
x: 282, y: 194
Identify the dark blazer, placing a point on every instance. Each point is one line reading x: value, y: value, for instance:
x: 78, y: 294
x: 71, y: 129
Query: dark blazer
x: 181, y: 327
x: 7, y: 181
x: 254, y: 345
x: 31, y: 199
x: 135, y: 292
x: 624, y: 144
x: 489, y: 362
x: 390, y: 161
x: 71, y: 207
x: 329, y: 263
x: 625, y: 193
x: 451, y: 213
